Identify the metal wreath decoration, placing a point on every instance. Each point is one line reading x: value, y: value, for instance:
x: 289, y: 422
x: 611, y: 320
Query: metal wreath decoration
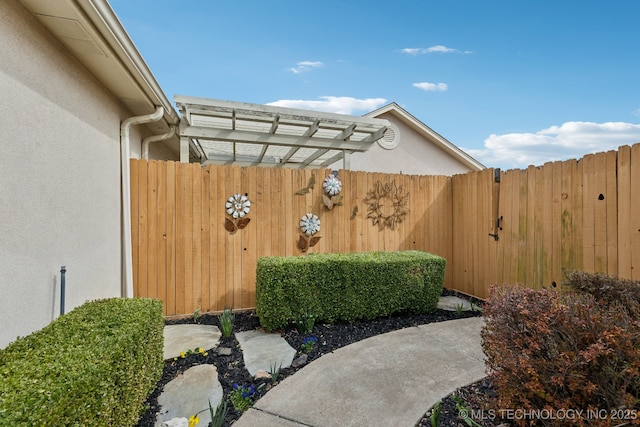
x: 387, y: 205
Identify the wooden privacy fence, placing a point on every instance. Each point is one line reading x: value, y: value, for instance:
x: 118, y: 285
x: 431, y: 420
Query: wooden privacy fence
x: 527, y: 228
x: 582, y: 215
x: 183, y: 255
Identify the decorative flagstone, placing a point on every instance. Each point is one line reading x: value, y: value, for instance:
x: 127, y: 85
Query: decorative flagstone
x: 262, y: 350
x: 189, y: 394
x: 179, y: 338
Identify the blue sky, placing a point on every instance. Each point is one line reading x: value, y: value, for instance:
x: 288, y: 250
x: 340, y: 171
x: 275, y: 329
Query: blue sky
x: 513, y: 83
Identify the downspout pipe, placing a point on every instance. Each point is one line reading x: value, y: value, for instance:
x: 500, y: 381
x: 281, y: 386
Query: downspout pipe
x: 155, y: 138
x: 125, y: 148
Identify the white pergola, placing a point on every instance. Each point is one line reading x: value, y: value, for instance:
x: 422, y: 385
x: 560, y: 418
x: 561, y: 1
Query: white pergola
x: 225, y: 132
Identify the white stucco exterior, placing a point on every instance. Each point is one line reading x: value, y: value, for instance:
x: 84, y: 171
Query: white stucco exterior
x: 417, y: 150
x: 60, y: 201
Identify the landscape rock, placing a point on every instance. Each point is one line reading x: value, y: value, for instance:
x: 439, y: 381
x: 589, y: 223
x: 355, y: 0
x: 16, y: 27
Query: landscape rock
x: 185, y: 337
x: 453, y: 303
x: 262, y: 374
x: 300, y: 361
x: 262, y: 350
x: 190, y: 393
x: 223, y: 351
x: 177, y: 422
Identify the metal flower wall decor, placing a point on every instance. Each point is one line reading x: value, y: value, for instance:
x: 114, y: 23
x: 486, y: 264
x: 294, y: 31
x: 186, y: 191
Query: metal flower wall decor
x: 237, y: 207
x: 387, y: 205
x: 309, y: 225
x: 332, y: 187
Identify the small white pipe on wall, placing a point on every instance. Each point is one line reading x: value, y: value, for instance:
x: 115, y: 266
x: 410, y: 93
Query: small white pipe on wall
x: 155, y: 138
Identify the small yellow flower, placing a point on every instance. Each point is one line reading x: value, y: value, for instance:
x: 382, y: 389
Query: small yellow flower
x: 205, y: 353
x: 200, y: 350
x: 193, y: 420
x: 182, y: 354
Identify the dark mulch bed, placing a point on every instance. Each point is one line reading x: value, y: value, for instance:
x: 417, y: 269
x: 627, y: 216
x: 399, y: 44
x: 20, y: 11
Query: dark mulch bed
x: 231, y: 369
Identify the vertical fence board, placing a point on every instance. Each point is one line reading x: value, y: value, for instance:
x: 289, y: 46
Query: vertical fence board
x: 599, y: 198
x: 624, y: 212
x: 611, y: 198
x: 556, y: 239
x: 205, y: 242
x: 196, y: 242
x: 214, y: 211
x: 143, y: 219
x: 588, y: 213
x: 181, y: 225
x: 521, y: 209
x: 161, y: 239
x: 634, y: 230
x: 235, y: 287
x: 531, y: 223
x: 170, y: 301
x: 152, y: 232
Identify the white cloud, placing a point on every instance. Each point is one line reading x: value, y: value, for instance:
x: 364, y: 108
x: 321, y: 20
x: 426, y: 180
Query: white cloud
x: 431, y: 87
x: 333, y: 104
x: 304, y: 66
x: 571, y: 140
x: 433, y: 49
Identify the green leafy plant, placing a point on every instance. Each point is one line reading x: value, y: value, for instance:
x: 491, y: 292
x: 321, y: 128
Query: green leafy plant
x: 56, y: 376
x: 308, y: 344
x: 434, y: 418
x: 242, y: 397
x: 226, y: 319
x: 464, y: 412
x: 196, y: 314
x: 304, y: 322
x: 275, y: 373
x: 196, y: 351
x: 459, y: 309
x: 475, y: 308
x: 220, y: 413
x: 217, y: 416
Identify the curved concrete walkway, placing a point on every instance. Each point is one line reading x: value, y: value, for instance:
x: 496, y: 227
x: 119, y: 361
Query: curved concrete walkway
x: 386, y: 380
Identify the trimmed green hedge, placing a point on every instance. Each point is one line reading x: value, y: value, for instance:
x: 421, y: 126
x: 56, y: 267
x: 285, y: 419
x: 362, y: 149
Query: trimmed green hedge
x: 347, y: 287
x: 95, y: 365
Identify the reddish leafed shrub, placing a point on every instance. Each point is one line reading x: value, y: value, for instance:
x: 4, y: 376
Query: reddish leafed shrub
x: 608, y: 290
x: 558, y: 352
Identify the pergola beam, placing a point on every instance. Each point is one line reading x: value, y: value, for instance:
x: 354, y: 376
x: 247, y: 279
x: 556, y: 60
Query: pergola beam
x: 240, y: 133
x: 215, y: 134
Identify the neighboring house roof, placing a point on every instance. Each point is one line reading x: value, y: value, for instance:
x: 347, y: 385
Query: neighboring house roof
x: 428, y: 134
x: 92, y: 32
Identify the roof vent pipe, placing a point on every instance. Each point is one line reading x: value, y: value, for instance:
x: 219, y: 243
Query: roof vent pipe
x: 125, y: 175
x: 155, y: 138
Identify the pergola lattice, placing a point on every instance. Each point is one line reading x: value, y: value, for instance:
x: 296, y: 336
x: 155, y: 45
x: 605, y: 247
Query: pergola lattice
x: 225, y: 132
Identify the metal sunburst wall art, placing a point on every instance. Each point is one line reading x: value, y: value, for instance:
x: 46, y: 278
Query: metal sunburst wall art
x: 387, y: 205
x: 309, y: 225
x: 332, y: 187
x: 237, y: 207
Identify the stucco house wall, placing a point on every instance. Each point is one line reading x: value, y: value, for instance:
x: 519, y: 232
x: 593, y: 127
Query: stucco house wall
x: 416, y: 150
x: 60, y: 200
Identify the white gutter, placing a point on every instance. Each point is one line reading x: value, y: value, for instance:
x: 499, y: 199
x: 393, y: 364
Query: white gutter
x: 155, y: 138
x: 127, y: 273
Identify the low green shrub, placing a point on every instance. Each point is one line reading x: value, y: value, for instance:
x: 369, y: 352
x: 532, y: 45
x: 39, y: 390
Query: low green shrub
x: 554, y: 351
x: 95, y: 365
x: 354, y: 286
